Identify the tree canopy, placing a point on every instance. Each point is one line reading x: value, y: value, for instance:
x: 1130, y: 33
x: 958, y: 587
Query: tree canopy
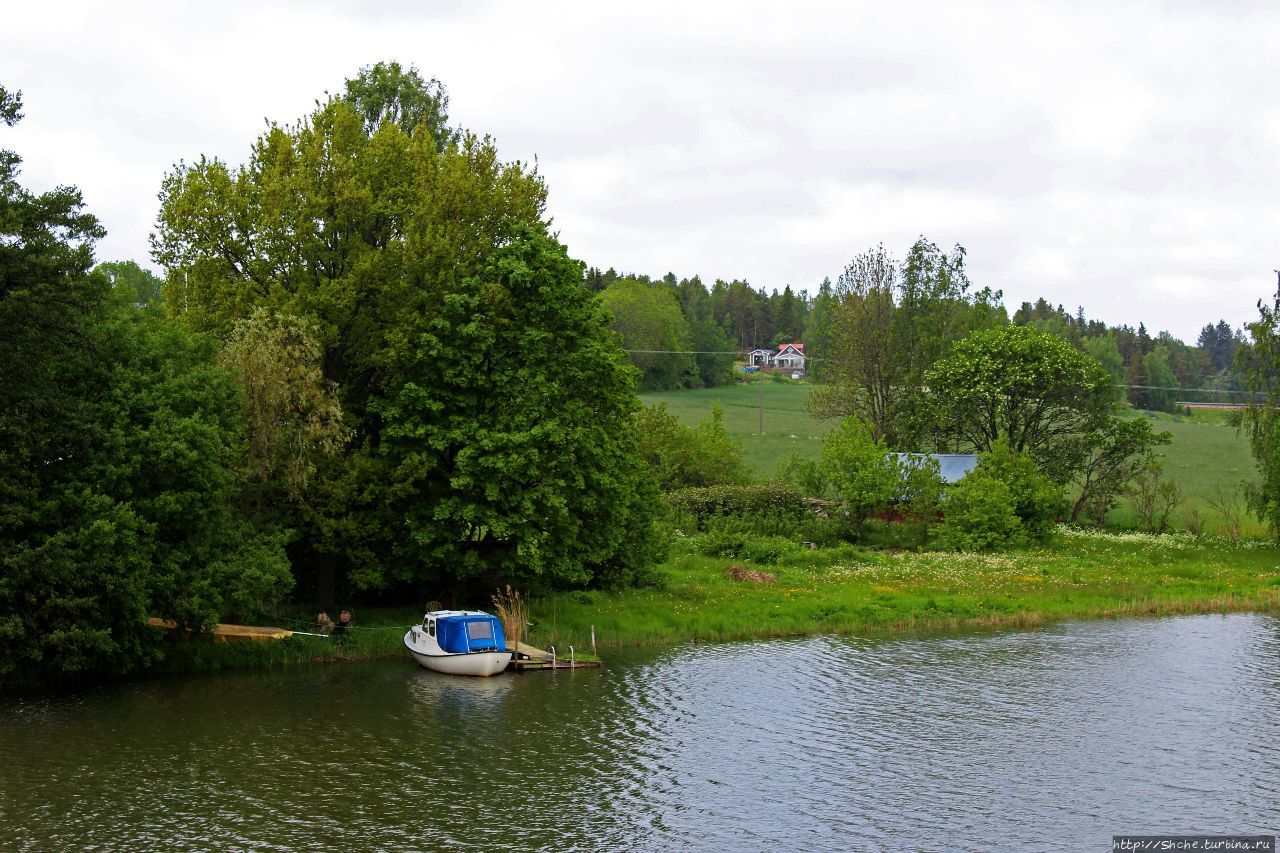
x: 462, y: 357
x: 119, y: 440
x: 890, y: 322
x: 506, y: 461
x: 1029, y: 387
x: 650, y: 324
x: 1259, y: 361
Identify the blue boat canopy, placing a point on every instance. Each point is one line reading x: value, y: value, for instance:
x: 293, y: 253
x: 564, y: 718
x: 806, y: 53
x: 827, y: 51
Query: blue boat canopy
x: 462, y: 634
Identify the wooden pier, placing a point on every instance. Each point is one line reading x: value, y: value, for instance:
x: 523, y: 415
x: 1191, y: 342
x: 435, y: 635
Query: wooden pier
x: 525, y: 658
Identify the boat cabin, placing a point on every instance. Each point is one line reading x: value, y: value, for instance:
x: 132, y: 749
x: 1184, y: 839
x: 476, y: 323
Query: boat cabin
x: 464, y: 631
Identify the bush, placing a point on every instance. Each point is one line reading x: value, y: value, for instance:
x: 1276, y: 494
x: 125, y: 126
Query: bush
x: 759, y: 502
x: 1037, y: 502
x: 980, y: 516
x: 808, y: 474
x: 767, y: 550
x: 728, y: 537
x: 1004, y: 502
x: 823, y: 532
x: 861, y: 471
x: 681, y: 457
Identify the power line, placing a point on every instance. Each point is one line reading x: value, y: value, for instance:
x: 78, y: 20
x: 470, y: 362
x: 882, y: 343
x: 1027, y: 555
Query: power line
x: 808, y: 358
x: 1189, y: 390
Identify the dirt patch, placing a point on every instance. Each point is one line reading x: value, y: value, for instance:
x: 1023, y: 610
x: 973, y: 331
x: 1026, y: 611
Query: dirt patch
x: 739, y: 572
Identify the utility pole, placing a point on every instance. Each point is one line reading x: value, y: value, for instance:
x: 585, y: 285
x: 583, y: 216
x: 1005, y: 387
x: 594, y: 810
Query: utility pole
x: 762, y: 401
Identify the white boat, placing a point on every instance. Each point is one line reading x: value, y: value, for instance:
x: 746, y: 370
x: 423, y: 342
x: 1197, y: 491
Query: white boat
x: 459, y: 642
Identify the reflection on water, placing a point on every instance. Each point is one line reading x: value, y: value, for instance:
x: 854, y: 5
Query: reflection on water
x: 433, y: 691
x: 1054, y: 739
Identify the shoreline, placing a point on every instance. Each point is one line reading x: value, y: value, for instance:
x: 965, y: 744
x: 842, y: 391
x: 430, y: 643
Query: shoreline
x: 844, y: 590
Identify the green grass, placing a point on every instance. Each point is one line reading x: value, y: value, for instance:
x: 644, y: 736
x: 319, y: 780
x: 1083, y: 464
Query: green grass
x: 1206, y: 450
x: 847, y: 590
x: 788, y: 427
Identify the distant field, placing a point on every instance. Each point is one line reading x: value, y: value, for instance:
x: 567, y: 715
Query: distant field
x: 787, y: 426
x: 1206, y: 449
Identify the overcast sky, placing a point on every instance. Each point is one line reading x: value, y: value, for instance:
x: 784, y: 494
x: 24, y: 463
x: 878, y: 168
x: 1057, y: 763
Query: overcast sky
x: 1122, y: 157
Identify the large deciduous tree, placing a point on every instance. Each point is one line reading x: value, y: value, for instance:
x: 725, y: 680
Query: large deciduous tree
x: 509, y: 462
x: 291, y: 412
x: 1258, y: 359
x: 381, y: 231
x: 1109, y: 459
x: 862, y: 371
x: 1029, y: 387
x: 649, y: 322
x: 386, y: 92
x: 889, y: 325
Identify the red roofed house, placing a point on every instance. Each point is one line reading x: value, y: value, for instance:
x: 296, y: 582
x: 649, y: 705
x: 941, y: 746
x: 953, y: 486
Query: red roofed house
x: 790, y: 357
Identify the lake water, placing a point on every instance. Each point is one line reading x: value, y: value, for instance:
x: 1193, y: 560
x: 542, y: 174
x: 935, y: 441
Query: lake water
x: 1045, y: 740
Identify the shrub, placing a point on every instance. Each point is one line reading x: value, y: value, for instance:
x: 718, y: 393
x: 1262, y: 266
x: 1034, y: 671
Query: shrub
x: 1155, y: 499
x: 727, y: 542
x: 861, y: 471
x: 780, y: 502
x: 1037, y: 502
x: 1003, y: 502
x: 681, y: 457
x: 808, y: 474
x: 922, y: 486
x: 980, y: 516
x: 823, y: 532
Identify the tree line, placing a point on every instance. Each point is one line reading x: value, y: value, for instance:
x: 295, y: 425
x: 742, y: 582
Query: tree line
x: 682, y: 334
x: 675, y: 328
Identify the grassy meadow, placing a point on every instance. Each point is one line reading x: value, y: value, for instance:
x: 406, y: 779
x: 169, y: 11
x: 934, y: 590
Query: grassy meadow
x: 1206, y: 452
x: 788, y: 427
x: 846, y: 590
x: 1083, y: 574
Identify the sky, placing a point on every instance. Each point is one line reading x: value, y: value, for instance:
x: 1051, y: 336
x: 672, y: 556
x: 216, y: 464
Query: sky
x: 1119, y: 157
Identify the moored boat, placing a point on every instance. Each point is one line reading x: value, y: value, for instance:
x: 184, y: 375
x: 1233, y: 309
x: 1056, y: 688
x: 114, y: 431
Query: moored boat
x: 459, y: 642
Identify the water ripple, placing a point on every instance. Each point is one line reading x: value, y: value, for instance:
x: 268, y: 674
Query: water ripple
x: 1054, y: 739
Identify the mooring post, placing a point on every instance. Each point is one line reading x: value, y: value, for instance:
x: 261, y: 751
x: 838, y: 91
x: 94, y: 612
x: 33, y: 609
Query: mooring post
x: 553, y: 657
x: 593, y: 639
x: 571, y: 663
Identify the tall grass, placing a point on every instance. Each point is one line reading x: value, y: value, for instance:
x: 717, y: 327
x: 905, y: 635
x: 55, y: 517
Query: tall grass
x: 513, y: 613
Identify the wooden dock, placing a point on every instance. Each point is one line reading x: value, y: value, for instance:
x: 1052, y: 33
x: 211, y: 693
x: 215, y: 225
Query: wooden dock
x: 223, y: 633
x: 525, y: 658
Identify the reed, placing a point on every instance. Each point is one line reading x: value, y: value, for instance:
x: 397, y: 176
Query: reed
x: 513, y: 612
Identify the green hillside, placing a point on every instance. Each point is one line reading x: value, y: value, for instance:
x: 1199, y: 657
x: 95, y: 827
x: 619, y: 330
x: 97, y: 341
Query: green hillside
x: 1206, y: 451
x: 788, y: 428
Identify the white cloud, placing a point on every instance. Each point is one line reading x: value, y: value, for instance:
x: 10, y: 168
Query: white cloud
x: 1116, y: 157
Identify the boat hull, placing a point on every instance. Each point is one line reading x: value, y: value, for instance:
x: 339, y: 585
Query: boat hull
x: 470, y: 663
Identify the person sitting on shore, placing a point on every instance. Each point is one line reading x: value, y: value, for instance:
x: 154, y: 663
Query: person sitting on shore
x: 343, y: 623
x: 323, y: 623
